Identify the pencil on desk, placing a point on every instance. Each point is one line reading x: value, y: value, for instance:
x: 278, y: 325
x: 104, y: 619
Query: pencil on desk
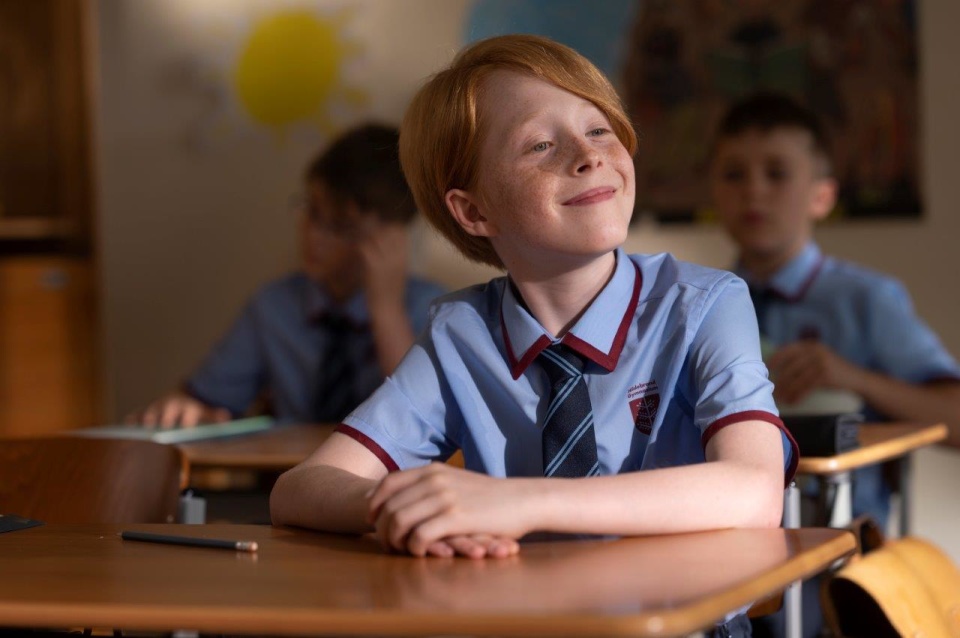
x: 192, y: 541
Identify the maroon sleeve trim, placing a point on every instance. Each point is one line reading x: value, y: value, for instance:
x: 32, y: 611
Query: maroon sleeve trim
x: 370, y: 444
x: 757, y: 415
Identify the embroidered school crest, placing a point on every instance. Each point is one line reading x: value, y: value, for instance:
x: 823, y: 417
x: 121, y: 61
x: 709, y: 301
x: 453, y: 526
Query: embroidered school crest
x: 644, y: 399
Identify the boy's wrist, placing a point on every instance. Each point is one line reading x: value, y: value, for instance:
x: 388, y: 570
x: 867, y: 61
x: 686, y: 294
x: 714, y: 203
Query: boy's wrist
x: 538, y: 504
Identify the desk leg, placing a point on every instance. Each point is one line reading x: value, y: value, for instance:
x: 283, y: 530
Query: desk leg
x: 792, y: 602
x: 903, y: 490
x: 836, y: 500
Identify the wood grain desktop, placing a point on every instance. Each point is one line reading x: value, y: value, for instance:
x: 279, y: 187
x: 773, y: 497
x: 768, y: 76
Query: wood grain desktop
x: 302, y: 582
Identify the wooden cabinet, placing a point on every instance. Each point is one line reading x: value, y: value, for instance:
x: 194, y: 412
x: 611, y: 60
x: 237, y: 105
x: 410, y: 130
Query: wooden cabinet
x: 48, y: 347
x: 49, y: 377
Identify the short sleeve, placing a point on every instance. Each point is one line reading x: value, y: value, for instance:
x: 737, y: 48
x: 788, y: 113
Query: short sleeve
x: 420, y: 296
x: 412, y: 416
x: 730, y: 377
x: 903, y: 346
x: 232, y: 374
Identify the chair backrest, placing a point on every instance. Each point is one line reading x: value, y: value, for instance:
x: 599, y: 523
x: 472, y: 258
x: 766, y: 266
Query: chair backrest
x: 908, y: 587
x: 91, y: 480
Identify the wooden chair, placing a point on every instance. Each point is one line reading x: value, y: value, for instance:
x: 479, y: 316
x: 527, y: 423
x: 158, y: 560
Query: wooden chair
x: 89, y: 480
x: 908, y: 587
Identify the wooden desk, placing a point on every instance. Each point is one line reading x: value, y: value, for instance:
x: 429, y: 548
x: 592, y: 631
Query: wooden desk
x: 307, y: 583
x: 277, y: 449
x: 879, y: 442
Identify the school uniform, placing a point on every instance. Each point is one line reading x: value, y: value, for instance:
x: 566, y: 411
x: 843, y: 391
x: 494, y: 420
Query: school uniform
x: 672, y: 357
x: 315, y: 357
x: 863, y: 316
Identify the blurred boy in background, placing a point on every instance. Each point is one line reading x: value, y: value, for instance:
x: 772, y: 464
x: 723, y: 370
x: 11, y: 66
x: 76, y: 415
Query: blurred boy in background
x: 830, y: 328
x: 318, y: 341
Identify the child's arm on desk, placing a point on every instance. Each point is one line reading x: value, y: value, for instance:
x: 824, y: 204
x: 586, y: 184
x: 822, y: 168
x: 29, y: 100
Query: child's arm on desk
x: 331, y: 490
x: 740, y: 485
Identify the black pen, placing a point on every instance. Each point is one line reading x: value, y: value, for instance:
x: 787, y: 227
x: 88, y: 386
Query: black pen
x: 192, y: 541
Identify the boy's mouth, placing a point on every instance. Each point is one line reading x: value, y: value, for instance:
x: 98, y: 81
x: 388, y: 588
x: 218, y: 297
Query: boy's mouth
x: 592, y: 196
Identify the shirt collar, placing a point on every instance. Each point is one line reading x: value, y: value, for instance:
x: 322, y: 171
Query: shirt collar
x: 317, y: 304
x: 594, y: 336
x: 794, y: 278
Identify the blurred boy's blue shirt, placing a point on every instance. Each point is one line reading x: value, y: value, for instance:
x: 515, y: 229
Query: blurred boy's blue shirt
x: 865, y: 317
x: 278, y: 345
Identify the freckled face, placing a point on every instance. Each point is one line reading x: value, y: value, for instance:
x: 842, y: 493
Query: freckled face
x: 768, y: 190
x: 554, y: 181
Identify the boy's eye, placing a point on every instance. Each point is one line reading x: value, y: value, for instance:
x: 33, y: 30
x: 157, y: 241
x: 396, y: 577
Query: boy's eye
x: 731, y: 174
x: 540, y: 147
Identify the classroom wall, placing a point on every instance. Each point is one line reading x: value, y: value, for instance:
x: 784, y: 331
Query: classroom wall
x: 194, y: 201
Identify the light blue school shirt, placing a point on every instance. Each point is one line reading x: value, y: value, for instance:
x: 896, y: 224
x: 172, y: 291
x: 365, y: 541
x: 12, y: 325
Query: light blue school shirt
x: 672, y: 356
x: 865, y: 317
x: 278, y: 345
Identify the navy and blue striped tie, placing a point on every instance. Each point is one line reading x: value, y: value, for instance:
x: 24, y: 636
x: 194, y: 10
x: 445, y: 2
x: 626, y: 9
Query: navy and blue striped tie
x: 569, y: 443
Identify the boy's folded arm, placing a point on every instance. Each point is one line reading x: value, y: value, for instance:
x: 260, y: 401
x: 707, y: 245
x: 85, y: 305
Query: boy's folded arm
x: 328, y: 491
x: 740, y: 485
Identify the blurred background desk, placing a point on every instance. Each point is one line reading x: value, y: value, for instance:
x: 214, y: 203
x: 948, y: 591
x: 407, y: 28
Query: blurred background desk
x: 879, y: 443
x: 302, y: 582
x: 277, y: 449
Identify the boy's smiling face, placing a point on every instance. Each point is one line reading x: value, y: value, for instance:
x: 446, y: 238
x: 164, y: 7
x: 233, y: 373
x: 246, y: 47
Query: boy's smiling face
x: 768, y: 188
x: 555, y: 186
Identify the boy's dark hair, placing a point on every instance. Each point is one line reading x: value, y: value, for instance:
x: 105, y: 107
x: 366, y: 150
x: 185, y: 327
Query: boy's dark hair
x: 362, y: 166
x: 765, y: 112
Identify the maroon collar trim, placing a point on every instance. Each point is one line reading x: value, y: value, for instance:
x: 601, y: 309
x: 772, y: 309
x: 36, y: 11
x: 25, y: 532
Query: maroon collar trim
x: 608, y: 361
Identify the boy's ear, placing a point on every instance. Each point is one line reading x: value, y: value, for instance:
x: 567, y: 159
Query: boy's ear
x: 466, y: 210
x: 824, y: 198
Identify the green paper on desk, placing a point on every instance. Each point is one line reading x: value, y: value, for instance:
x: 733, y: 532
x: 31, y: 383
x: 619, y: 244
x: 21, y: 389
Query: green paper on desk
x: 181, y: 435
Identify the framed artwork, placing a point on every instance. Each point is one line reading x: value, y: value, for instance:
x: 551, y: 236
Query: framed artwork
x: 679, y: 64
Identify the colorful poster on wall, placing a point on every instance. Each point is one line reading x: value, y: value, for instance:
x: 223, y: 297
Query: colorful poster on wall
x: 680, y: 63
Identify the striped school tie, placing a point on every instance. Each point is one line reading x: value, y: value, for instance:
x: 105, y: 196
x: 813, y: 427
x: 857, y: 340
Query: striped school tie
x: 569, y: 444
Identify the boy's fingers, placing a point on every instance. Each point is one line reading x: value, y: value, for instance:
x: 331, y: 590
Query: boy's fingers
x: 400, y: 523
x: 441, y: 549
x: 468, y: 546
x: 170, y: 414
x: 390, y: 485
x: 190, y: 414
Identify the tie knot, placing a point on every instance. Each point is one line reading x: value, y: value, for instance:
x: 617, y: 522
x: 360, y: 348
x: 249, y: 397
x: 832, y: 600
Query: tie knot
x: 561, y: 363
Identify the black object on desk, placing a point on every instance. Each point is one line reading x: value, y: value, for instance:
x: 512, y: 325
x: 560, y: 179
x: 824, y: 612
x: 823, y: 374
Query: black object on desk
x: 12, y: 523
x: 826, y: 434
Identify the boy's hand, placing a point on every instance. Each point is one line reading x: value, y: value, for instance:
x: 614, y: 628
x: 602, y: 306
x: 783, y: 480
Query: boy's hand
x: 474, y: 546
x: 385, y: 252
x: 177, y: 409
x: 442, y: 510
x: 801, y: 367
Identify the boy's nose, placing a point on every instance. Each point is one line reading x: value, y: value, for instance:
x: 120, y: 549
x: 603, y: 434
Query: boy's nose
x: 585, y: 158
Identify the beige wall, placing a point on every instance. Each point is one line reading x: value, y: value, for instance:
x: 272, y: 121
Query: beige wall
x: 186, y: 236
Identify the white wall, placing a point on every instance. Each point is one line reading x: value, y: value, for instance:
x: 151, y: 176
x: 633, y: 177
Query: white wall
x: 186, y: 236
